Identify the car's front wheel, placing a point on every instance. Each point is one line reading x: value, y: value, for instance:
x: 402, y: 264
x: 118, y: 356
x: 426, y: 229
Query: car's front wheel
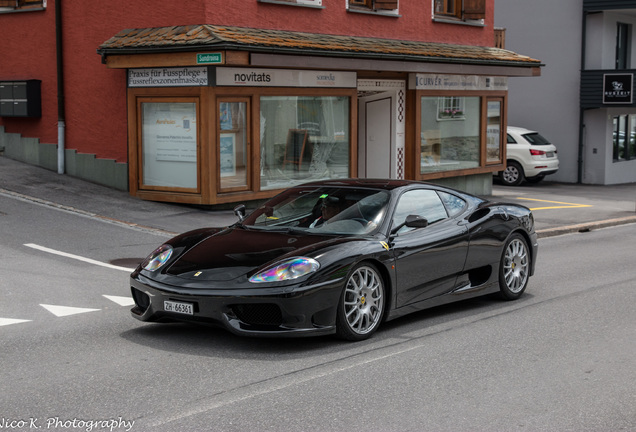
x: 512, y: 175
x: 361, y: 305
x: 514, y: 269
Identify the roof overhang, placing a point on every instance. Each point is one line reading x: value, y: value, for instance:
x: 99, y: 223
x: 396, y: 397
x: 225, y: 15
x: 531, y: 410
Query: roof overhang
x: 303, y: 50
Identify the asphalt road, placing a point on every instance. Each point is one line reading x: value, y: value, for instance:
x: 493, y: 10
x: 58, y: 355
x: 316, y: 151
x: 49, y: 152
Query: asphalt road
x: 559, y: 359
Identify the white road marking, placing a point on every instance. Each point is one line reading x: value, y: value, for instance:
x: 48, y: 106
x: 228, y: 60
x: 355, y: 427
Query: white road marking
x: 122, y: 301
x: 61, y: 311
x: 83, y: 213
x: 9, y: 321
x: 77, y: 257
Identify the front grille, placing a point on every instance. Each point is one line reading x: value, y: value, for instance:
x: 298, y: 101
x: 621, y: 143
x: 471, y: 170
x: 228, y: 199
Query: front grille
x: 259, y: 314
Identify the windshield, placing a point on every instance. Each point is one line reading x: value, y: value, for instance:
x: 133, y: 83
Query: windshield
x: 322, y: 210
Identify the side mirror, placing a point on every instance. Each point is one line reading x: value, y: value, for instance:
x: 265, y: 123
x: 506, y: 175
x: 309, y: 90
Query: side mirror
x: 239, y: 211
x: 411, y: 221
x: 415, y: 221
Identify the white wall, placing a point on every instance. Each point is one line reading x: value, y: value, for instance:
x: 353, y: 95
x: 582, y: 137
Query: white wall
x: 600, y: 52
x: 549, y: 31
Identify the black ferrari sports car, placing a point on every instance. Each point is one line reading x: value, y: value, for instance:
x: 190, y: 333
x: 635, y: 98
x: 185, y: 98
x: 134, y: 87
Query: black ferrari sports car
x: 339, y: 257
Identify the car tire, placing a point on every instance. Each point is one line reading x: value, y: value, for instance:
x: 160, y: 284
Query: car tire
x: 362, y: 303
x: 514, y: 268
x: 512, y: 175
x: 535, y: 179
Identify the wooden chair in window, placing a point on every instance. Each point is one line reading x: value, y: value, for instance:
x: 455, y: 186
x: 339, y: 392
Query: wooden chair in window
x: 295, y: 147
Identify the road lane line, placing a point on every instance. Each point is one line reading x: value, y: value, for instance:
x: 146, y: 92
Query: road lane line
x: 86, y: 214
x: 564, y: 204
x: 77, y: 257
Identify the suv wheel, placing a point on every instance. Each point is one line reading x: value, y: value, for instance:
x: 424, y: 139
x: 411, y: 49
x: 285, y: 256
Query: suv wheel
x: 512, y: 175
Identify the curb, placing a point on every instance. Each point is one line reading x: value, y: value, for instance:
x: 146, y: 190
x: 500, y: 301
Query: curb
x: 585, y: 227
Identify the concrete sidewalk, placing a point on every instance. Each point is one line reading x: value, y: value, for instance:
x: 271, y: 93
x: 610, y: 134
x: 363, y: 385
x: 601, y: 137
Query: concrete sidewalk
x: 558, y: 208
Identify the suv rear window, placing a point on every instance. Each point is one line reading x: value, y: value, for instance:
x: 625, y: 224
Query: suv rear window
x: 536, y: 139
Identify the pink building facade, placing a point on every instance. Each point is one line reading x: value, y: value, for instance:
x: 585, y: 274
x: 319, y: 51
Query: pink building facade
x: 357, y: 88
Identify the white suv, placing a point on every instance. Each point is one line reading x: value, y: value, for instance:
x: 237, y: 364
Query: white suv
x: 530, y: 157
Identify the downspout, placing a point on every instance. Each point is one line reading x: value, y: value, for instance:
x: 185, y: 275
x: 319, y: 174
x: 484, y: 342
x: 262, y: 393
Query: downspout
x: 579, y: 178
x: 61, y: 114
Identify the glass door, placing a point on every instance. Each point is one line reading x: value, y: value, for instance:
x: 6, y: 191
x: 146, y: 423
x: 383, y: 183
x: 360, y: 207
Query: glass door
x: 494, y: 132
x: 233, y: 146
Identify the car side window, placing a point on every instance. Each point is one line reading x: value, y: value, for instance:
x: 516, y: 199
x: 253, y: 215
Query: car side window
x: 421, y: 202
x: 454, y: 204
x: 511, y: 140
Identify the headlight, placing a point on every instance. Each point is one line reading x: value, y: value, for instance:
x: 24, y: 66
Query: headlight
x: 289, y: 269
x: 158, y: 258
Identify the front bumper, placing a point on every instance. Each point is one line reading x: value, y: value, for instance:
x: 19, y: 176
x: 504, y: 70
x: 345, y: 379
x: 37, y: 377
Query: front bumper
x: 263, y: 311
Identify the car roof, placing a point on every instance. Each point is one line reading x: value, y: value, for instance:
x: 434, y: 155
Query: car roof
x: 520, y: 130
x: 387, y: 184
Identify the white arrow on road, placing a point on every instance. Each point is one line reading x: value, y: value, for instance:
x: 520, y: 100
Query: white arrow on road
x: 9, y: 321
x: 122, y: 301
x: 61, y: 311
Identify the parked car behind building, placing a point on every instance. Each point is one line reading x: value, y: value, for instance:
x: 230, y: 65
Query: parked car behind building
x: 530, y: 157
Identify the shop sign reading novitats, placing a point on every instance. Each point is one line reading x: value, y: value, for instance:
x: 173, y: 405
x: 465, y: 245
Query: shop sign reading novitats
x: 617, y: 88
x: 248, y: 77
x: 168, y: 77
x: 457, y: 82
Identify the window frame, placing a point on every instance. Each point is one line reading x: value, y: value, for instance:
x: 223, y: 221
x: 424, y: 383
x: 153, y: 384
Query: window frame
x: 220, y: 131
x: 382, y: 7
x: 629, y: 148
x: 140, y: 146
x: 302, y: 3
x: 10, y: 6
x: 623, y: 45
x: 413, y: 168
x: 459, y: 10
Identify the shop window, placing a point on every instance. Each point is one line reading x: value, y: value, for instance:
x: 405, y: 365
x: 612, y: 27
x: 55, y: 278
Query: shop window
x: 303, y: 138
x: 233, y: 157
x: 450, y: 145
x: 624, y: 138
x: 460, y: 9
x: 373, y: 5
x: 169, y: 150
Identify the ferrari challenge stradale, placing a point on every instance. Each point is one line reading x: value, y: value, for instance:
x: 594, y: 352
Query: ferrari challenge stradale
x: 339, y: 257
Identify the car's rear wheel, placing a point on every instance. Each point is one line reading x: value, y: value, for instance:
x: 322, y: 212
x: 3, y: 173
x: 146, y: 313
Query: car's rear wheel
x: 362, y: 303
x: 512, y: 175
x: 514, y: 270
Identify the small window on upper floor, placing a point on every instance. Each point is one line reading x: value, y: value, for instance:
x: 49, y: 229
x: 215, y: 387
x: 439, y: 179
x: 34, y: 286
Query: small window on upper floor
x: 313, y: 3
x: 21, y: 5
x: 381, y: 6
x: 460, y: 9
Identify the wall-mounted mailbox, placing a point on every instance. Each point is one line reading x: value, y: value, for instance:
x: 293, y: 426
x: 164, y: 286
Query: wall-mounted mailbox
x: 20, y: 98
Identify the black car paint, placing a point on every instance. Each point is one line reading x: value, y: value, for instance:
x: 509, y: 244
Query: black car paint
x: 458, y: 259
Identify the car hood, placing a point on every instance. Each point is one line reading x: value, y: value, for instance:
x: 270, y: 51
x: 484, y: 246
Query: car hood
x: 238, y: 251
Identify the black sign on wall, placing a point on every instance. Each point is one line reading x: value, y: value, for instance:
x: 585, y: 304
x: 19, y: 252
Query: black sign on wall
x: 617, y: 88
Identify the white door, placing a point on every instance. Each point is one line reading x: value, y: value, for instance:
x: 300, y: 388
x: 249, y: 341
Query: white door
x: 378, y: 154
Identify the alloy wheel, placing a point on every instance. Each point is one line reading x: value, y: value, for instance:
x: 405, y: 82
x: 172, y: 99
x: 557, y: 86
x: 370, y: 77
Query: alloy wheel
x: 363, y: 300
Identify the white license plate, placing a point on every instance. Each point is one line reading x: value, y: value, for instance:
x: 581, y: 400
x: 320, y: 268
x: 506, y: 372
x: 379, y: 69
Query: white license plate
x: 550, y: 154
x: 182, y: 308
